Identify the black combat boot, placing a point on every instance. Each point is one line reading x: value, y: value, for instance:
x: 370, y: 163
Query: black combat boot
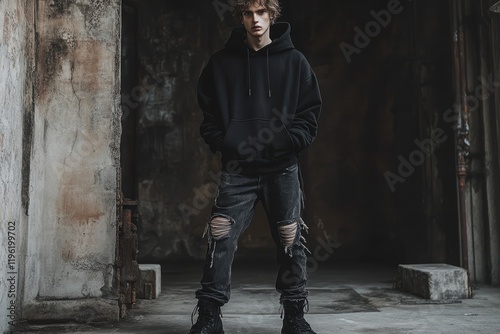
x: 294, y: 322
x: 209, y: 318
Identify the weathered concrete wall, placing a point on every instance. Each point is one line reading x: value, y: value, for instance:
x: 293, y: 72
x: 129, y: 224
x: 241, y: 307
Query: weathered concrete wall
x: 16, y: 55
x: 71, y: 228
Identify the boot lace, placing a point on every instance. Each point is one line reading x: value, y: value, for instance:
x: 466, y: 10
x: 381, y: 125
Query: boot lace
x: 204, y: 318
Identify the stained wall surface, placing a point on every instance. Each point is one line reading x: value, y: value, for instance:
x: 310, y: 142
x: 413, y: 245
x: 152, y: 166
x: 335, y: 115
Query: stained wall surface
x: 60, y: 133
x: 59, y: 146
x: 77, y: 73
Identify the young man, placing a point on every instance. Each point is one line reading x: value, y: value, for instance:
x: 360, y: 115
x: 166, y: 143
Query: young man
x: 261, y: 103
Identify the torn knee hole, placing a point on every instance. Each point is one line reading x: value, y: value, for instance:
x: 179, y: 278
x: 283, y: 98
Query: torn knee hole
x: 288, y: 232
x: 219, y: 227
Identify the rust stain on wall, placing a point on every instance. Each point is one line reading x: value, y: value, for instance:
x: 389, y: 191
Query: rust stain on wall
x: 78, y: 202
x: 88, y: 64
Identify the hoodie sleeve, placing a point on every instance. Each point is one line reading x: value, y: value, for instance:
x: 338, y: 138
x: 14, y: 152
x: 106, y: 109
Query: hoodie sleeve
x: 304, y: 126
x: 211, y: 128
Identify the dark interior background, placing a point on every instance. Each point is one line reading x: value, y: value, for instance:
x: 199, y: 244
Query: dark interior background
x: 396, y: 90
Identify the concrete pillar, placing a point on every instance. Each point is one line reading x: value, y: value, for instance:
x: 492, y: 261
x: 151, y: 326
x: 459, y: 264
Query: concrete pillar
x: 16, y: 60
x: 70, y: 231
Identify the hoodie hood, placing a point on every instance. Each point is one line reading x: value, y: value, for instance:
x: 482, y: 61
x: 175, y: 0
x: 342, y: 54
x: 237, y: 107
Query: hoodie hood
x: 280, y: 36
x: 281, y: 41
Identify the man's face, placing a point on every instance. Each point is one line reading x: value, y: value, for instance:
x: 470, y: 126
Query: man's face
x: 256, y: 20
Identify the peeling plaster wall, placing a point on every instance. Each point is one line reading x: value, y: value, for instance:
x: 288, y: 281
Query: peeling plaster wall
x: 71, y: 228
x: 16, y: 54
x: 77, y: 63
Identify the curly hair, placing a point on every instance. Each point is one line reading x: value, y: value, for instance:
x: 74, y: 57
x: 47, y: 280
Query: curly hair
x: 239, y: 6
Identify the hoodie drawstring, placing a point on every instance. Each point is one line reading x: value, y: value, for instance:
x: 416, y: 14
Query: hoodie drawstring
x: 268, y: 75
x: 250, y: 76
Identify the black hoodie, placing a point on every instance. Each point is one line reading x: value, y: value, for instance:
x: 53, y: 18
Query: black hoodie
x: 260, y: 107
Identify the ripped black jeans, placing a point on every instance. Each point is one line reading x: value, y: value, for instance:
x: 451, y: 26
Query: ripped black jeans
x: 232, y: 213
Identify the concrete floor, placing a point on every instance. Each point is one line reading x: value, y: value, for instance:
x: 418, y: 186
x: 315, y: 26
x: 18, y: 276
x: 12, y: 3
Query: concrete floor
x: 343, y: 299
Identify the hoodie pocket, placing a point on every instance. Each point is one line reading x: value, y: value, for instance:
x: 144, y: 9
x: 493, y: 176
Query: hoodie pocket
x: 257, y: 139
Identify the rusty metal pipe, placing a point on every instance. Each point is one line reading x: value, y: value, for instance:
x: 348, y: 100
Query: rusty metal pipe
x: 462, y: 126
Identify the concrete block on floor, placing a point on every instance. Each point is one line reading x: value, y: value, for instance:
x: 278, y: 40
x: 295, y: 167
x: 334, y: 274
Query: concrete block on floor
x: 434, y: 281
x: 149, y: 285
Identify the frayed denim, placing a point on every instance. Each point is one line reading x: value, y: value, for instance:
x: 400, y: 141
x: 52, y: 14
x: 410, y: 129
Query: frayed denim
x: 232, y: 212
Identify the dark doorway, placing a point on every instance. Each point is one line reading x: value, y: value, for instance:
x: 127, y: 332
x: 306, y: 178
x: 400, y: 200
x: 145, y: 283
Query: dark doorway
x: 380, y: 181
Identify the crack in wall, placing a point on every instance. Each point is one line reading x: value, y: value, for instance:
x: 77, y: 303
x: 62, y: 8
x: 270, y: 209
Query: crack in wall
x: 72, y: 69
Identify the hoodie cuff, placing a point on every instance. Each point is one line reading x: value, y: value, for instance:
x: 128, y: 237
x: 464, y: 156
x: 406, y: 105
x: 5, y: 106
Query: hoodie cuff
x: 217, y: 146
x: 297, y: 146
